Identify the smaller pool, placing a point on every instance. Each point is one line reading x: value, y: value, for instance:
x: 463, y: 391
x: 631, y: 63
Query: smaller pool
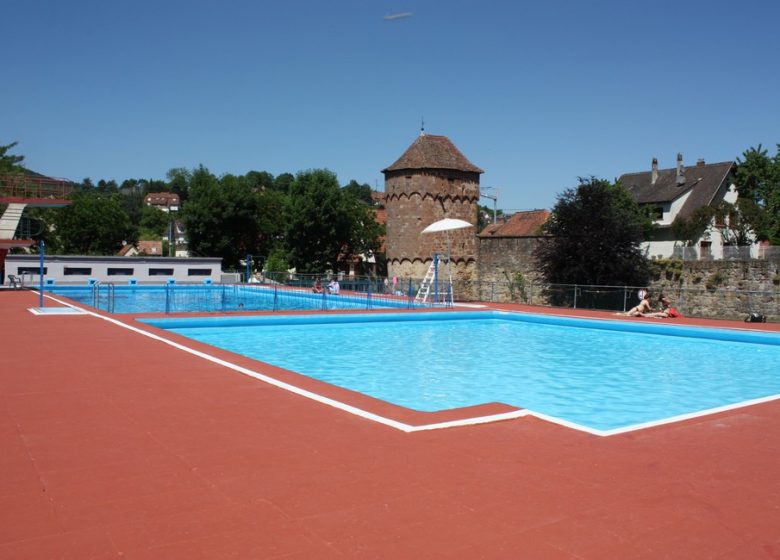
x: 183, y: 298
x: 603, y: 375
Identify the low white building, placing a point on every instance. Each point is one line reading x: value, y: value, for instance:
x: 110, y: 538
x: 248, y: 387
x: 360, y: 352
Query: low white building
x: 67, y: 269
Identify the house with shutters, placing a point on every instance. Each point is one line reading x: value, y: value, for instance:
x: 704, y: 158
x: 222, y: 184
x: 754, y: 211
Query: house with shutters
x: 678, y: 192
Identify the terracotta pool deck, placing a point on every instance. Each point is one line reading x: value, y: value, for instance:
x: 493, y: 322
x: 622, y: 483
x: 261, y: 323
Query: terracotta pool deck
x: 116, y: 445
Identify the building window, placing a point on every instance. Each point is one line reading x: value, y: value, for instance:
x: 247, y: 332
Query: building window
x: 77, y: 271
x: 160, y: 272
x: 198, y: 272
x: 31, y: 270
x: 120, y: 271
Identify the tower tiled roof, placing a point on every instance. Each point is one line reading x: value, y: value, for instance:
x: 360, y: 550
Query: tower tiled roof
x: 430, y: 151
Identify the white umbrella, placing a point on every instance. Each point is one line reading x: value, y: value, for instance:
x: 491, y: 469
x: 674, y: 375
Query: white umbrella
x: 447, y: 224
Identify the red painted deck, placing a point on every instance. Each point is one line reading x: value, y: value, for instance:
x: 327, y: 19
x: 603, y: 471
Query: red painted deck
x: 114, y: 445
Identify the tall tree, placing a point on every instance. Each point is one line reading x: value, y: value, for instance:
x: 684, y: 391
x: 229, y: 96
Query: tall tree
x: 691, y: 229
x: 325, y: 225
x: 594, y: 234
x: 179, y: 180
x: 220, y: 217
x: 10, y: 163
x: 94, y: 224
x: 153, y: 223
x: 758, y: 180
x: 283, y: 182
x: 361, y: 192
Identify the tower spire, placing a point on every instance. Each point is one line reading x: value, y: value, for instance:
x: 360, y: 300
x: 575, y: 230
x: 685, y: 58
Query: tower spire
x: 422, y: 126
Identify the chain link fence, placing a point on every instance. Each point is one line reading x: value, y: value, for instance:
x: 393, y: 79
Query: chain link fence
x: 705, y: 302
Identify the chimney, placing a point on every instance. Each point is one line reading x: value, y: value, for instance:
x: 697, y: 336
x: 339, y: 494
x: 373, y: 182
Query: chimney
x: 700, y: 162
x: 680, y: 171
x: 654, y: 172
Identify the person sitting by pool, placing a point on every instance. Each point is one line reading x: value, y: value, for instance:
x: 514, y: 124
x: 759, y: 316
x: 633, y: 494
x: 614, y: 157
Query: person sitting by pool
x: 640, y: 310
x: 317, y: 289
x: 666, y: 311
x: 334, y: 287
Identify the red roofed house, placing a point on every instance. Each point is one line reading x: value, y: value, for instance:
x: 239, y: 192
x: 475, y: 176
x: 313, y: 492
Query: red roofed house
x: 165, y: 201
x: 150, y: 248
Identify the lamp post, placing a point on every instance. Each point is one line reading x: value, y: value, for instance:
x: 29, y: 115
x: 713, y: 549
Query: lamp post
x: 493, y: 197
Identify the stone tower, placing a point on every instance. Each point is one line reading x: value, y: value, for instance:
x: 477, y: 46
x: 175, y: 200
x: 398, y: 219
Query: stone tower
x: 432, y: 180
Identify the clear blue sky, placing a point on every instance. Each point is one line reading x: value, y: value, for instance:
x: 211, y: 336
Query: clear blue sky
x: 535, y: 93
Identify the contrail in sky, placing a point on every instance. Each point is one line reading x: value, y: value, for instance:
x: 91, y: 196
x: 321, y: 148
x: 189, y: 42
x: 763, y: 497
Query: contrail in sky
x: 398, y: 16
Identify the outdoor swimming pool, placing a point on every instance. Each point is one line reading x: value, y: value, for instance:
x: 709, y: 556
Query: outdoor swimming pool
x: 214, y: 298
x: 602, y: 375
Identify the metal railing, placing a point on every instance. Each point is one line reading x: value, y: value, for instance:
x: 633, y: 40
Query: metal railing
x: 297, y: 292
x: 108, y: 296
x: 729, y: 253
x: 23, y: 186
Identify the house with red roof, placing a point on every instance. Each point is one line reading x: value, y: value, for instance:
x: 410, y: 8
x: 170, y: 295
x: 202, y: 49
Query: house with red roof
x: 165, y: 201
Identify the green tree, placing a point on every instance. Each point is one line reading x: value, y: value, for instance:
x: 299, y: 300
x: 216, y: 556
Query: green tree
x: 360, y: 192
x: 738, y: 222
x: 276, y: 265
x: 10, y: 163
x: 220, y: 217
x: 325, y: 225
x: 178, y: 183
x: 94, y: 224
x: 485, y: 216
x: 260, y: 180
x: 283, y: 182
x: 153, y: 223
x: 692, y: 228
x: 758, y: 180
x: 594, y: 234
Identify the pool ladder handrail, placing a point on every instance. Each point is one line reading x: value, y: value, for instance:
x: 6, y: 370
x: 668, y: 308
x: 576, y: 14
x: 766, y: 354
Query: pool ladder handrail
x: 110, y: 295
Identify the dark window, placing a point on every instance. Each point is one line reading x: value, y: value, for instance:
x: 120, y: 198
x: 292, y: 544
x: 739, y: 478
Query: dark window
x: 76, y: 271
x: 120, y: 271
x: 198, y: 272
x: 31, y: 270
x: 160, y: 272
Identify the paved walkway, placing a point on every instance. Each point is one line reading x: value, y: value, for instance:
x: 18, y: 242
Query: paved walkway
x: 114, y: 445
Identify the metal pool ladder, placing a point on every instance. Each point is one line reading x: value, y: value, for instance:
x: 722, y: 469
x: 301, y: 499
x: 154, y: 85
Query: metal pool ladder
x: 110, y: 296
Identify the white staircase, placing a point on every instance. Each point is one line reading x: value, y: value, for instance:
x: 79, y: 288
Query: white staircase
x: 10, y: 220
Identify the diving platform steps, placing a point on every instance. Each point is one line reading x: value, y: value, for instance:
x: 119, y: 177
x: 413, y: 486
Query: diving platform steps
x: 429, y: 282
x: 425, y: 286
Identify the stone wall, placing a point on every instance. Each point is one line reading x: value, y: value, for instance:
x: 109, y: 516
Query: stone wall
x: 503, y: 263
x: 506, y: 271
x: 725, y: 289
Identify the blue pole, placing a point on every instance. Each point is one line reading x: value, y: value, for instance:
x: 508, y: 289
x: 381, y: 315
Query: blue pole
x: 41, y: 245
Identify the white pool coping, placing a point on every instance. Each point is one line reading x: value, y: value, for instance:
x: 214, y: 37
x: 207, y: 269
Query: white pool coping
x: 519, y: 413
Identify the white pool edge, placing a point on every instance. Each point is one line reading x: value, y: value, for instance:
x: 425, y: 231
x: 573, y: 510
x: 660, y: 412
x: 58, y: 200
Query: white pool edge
x: 519, y: 413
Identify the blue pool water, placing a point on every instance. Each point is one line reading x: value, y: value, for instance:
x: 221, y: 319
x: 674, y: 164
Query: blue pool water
x: 603, y: 375
x: 203, y: 298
